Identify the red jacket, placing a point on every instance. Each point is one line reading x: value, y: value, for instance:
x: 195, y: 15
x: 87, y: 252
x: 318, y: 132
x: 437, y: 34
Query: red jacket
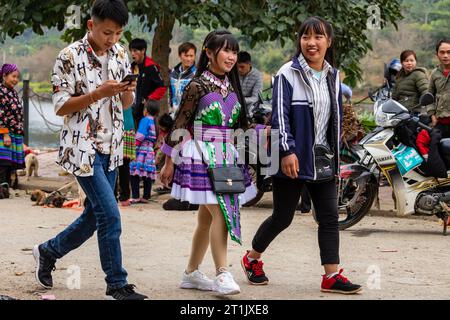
x: 423, y: 142
x: 150, y: 85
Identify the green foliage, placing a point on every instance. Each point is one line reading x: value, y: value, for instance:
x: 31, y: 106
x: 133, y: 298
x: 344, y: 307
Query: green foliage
x: 367, y: 120
x: 41, y: 87
x: 259, y: 20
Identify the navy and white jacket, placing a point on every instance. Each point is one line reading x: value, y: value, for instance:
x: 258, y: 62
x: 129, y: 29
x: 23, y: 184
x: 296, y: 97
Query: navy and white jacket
x: 293, y: 116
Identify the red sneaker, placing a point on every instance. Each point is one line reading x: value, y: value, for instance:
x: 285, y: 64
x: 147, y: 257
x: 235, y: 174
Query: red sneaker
x: 125, y: 203
x: 254, y: 271
x: 339, y: 284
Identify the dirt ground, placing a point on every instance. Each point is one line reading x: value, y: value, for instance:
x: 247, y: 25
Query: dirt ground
x: 393, y: 258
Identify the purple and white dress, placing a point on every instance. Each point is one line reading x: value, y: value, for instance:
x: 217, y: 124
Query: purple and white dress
x: 209, y: 111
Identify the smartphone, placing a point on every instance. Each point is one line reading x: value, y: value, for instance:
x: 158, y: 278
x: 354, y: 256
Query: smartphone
x: 130, y: 78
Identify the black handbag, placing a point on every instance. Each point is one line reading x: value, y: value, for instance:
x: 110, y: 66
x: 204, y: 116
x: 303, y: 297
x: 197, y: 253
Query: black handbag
x: 229, y: 179
x: 324, y: 163
x: 225, y: 180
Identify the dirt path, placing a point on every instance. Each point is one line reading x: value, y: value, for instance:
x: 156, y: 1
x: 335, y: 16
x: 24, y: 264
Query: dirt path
x: 409, y: 255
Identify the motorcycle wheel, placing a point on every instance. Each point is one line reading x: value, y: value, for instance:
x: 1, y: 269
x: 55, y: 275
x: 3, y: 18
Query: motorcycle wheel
x: 356, y: 202
x: 259, y: 194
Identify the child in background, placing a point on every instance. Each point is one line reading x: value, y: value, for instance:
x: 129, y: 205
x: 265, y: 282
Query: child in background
x: 144, y: 165
x: 129, y: 154
x: 165, y: 123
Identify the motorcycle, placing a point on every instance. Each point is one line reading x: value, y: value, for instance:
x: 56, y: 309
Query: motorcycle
x: 414, y: 191
x: 259, y: 113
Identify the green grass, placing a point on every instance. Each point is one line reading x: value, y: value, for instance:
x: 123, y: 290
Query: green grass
x: 40, y: 87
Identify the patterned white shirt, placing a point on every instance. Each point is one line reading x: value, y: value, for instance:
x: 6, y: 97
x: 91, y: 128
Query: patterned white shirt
x: 322, y: 103
x: 78, y: 71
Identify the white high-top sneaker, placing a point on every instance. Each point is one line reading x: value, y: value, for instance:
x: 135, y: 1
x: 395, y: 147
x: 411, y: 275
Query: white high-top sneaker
x: 196, y: 280
x: 224, y: 284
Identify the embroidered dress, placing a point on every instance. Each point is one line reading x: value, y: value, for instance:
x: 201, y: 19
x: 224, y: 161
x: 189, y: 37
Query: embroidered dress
x: 129, y: 142
x: 144, y: 165
x: 210, y: 109
x: 11, y: 122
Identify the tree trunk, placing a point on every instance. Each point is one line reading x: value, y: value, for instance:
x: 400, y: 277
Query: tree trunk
x: 161, y: 50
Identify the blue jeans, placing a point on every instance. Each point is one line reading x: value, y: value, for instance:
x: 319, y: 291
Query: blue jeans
x: 101, y: 214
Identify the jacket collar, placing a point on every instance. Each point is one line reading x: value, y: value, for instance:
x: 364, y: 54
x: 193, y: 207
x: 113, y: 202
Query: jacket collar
x: 299, y: 63
x: 179, y: 69
x: 441, y: 68
x: 148, y: 62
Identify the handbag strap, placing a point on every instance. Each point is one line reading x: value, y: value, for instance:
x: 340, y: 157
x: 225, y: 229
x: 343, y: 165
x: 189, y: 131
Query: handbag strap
x: 211, y: 153
x: 200, y: 151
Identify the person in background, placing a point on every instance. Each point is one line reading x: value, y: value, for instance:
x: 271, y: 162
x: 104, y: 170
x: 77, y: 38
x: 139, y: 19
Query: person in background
x: 250, y: 78
x: 182, y: 74
x: 440, y: 88
x: 346, y: 92
x: 11, y: 124
x: 129, y: 154
x: 150, y: 84
x: 143, y: 167
x: 411, y: 82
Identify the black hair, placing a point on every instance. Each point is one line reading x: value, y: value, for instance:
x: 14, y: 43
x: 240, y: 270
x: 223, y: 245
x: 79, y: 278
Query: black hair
x: 138, y: 44
x: 440, y: 42
x: 166, y: 122
x: 319, y: 26
x: 244, y: 57
x: 216, y: 41
x: 115, y: 10
x: 403, y: 56
x: 185, y: 47
x: 152, y: 107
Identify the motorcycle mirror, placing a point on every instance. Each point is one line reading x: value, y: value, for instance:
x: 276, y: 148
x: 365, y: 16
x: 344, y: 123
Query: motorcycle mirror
x: 426, y: 99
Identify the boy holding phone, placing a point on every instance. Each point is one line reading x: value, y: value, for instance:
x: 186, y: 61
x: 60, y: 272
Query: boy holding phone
x: 88, y: 92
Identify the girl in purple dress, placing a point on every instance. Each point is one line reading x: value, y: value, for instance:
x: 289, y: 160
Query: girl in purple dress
x: 212, y: 106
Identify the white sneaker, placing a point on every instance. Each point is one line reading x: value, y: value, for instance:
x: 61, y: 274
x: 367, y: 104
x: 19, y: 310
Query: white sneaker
x: 196, y: 280
x: 224, y: 284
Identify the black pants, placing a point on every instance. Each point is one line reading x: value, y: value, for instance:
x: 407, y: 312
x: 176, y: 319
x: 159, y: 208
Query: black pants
x: 124, y: 180
x: 135, y: 187
x: 5, y: 174
x: 286, y: 193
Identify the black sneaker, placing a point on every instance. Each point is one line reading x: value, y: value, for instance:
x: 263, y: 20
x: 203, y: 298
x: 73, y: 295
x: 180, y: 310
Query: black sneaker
x: 178, y: 205
x: 339, y: 284
x: 254, y: 271
x: 125, y: 293
x: 44, y: 267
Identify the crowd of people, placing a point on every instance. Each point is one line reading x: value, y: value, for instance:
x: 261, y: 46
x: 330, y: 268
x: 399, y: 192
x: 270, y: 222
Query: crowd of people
x: 115, y: 137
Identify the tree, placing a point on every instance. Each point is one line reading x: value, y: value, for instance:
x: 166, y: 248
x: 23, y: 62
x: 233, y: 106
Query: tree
x: 259, y: 20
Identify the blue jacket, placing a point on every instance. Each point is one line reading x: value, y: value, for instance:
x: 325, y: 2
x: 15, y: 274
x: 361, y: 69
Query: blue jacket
x: 292, y: 115
x: 179, y: 79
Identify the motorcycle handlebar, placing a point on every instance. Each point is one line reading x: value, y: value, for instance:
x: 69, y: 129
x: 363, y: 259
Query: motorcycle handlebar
x: 422, y: 125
